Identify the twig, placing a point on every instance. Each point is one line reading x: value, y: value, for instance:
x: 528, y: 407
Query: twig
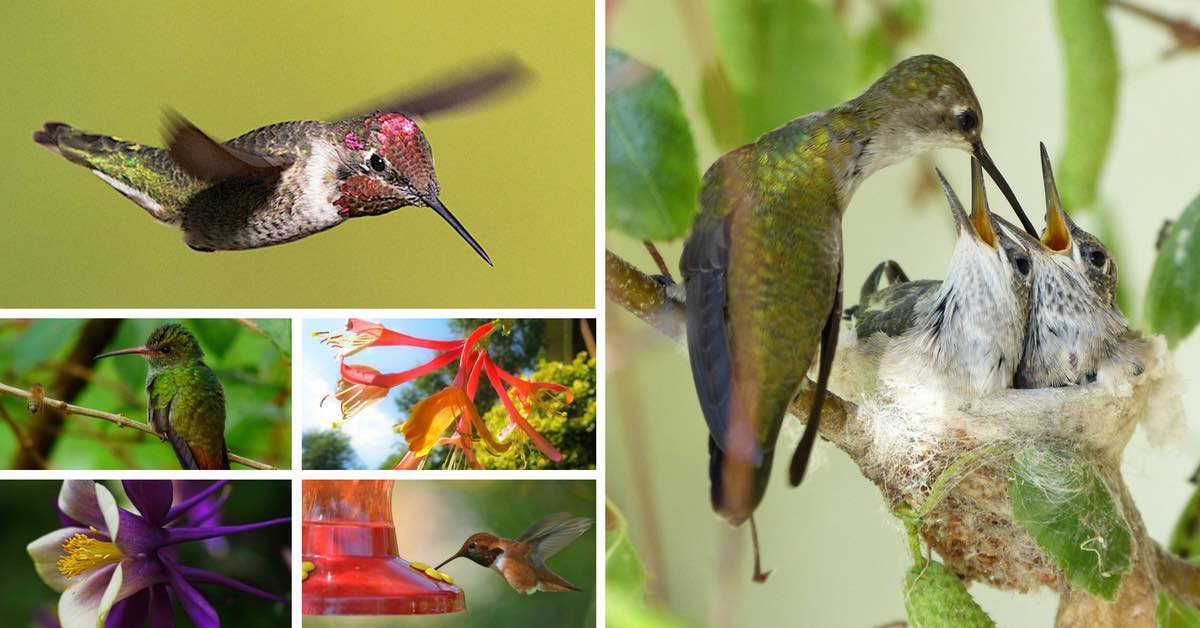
x: 67, y: 408
x: 663, y: 269
x: 760, y: 576
x: 589, y: 339
x: 1186, y: 34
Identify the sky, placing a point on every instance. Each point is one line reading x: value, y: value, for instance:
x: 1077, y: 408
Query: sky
x: 371, y: 430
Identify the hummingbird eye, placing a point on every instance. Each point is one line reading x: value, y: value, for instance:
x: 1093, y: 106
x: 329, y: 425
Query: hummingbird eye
x: 377, y: 163
x: 1022, y: 264
x: 967, y: 120
x: 471, y: 546
x: 1097, y: 258
x: 166, y: 349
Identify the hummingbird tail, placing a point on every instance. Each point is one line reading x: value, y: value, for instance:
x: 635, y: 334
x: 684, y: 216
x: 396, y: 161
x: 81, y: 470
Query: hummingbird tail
x: 736, y: 492
x: 144, y: 174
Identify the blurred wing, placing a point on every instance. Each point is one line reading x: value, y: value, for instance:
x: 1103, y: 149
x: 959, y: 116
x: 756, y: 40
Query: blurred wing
x: 160, y: 419
x: 554, y: 532
x: 475, y: 85
x: 207, y: 159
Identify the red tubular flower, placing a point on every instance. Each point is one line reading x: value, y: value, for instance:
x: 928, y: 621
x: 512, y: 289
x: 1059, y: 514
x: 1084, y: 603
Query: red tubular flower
x: 361, y: 334
x: 493, y: 373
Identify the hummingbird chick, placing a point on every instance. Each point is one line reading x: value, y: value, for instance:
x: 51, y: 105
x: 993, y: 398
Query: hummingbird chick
x: 285, y: 181
x: 523, y: 562
x: 762, y: 266
x: 968, y: 330
x: 186, y: 403
x: 1075, y: 327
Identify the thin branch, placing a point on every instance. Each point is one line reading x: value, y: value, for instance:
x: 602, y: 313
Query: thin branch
x: 67, y: 408
x: 663, y: 269
x: 1186, y: 34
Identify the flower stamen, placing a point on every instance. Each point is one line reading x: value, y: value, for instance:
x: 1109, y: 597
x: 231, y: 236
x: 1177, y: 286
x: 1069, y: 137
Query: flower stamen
x: 84, y: 553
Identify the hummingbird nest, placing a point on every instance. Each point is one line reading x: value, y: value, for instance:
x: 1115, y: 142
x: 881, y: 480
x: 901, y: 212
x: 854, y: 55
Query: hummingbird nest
x: 910, y: 426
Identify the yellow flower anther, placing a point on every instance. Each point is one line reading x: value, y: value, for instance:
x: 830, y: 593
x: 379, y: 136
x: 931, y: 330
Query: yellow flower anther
x: 83, y: 553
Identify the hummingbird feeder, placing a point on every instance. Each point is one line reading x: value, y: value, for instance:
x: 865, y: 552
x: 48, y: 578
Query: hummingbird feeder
x: 350, y: 555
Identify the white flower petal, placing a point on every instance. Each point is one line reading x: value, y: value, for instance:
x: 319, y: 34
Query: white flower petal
x: 77, y: 499
x: 45, y: 552
x: 109, y: 509
x: 79, y: 605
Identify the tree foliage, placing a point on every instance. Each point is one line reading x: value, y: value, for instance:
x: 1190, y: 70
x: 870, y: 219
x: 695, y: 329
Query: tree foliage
x: 328, y: 449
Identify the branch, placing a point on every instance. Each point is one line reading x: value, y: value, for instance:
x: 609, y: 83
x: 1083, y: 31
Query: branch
x: 1186, y: 34
x: 67, y: 408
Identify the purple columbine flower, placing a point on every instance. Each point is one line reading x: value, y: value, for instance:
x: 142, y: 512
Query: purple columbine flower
x: 119, y: 568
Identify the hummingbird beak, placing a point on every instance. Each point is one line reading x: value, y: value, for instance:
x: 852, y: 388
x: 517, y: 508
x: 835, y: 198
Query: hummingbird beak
x: 1058, y: 225
x: 961, y: 220
x: 457, y: 555
x: 981, y: 215
x: 132, y: 350
x: 981, y: 154
x: 436, y: 205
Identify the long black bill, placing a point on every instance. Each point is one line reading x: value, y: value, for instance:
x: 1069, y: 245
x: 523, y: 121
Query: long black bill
x: 990, y: 166
x: 438, y: 207
x: 448, y: 560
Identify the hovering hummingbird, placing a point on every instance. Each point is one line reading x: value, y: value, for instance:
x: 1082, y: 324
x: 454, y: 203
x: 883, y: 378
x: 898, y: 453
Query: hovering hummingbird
x: 284, y: 181
x: 970, y: 328
x: 762, y: 267
x: 523, y: 562
x: 1074, y: 324
x: 187, y: 402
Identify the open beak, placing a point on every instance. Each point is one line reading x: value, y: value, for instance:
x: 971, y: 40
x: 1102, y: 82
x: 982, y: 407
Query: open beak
x: 961, y: 220
x: 458, y: 555
x: 1058, y: 225
x: 437, y: 206
x: 131, y: 351
x: 981, y: 154
x: 981, y: 216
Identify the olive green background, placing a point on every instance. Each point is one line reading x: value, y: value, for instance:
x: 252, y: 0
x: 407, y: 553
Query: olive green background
x: 517, y: 171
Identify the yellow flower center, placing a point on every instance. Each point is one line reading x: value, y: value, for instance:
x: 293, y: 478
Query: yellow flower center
x: 84, y: 553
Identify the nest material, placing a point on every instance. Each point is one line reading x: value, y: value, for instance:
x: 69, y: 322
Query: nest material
x: 910, y: 425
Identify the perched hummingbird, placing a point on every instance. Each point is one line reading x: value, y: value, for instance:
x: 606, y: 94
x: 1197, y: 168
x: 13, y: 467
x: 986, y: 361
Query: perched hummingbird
x: 968, y: 330
x: 187, y: 402
x: 284, y: 181
x: 1074, y: 325
x: 523, y: 562
x: 762, y: 267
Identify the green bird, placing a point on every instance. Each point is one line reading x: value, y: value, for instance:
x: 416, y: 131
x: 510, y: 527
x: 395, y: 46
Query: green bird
x: 762, y: 267
x: 187, y: 403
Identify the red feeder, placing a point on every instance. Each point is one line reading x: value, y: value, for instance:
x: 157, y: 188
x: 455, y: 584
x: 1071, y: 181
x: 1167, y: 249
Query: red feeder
x: 349, y: 537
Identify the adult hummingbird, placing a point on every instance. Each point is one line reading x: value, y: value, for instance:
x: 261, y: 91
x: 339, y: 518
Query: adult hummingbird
x: 285, y: 181
x: 968, y: 330
x: 523, y: 562
x: 1075, y: 326
x: 187, y: 403
x: 762, y: 266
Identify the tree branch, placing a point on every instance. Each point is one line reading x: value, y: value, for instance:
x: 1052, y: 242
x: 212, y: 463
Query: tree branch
x: 65, y: 408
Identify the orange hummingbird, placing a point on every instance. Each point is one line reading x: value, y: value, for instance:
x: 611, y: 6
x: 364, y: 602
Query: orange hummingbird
x: 523, y: 562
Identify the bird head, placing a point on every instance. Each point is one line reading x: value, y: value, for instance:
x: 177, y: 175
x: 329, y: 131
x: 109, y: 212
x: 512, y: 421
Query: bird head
x: 481, y: 547
x: 1063, y: 237
x: 169, y: 344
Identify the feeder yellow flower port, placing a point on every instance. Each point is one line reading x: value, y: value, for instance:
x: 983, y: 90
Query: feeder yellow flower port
x: 431, y: 573
x: 305, y: 569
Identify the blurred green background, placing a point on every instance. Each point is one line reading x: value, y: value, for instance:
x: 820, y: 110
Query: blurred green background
x: 432, y: 520
x: 518, y: 171
x: 256, y: 558
x: 838, y: 556
x: 254, y: 370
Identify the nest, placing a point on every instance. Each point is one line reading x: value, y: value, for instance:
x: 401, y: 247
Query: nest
x: 910, y: 426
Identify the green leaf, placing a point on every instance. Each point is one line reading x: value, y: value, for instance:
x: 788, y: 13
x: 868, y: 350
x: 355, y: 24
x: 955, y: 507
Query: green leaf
x: 279, y: 332
x: 216, y: 335
x: 934, y: 597
x: 1175, y: 613
x: 652, y: 179
x: 1185, y: 538
x: 1173, y: 296
x: 623, y: 568
x: 1092, y: 76
x: 1065, y: 506
x: 42, y: 341
x: 783, y: 59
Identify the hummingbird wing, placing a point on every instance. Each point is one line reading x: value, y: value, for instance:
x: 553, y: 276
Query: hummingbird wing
x: 159, y: 410
x: 203, y: 422
x: 209, y: 160
x: 552, y: 533
x: 893, y: 310
x: 477, y: 84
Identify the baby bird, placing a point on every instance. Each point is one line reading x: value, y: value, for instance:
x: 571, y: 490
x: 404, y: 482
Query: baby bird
x: 969, y: 328
x: 1074, y: 325
x: 523, y: 562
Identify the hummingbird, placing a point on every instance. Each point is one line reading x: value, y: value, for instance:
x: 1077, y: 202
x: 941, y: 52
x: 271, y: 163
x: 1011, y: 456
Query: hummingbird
x: 523, y: 562
x: 284, y: 181
x: 762, y: 267
x: 970, y: 328
x: 1075, y: 325
x: 187, y: 403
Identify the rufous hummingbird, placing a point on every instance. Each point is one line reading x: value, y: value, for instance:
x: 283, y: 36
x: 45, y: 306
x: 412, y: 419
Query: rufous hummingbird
x: 284, y: 181
x: 523, y: 562
x: 186, y: 404
x: 762, y: 267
